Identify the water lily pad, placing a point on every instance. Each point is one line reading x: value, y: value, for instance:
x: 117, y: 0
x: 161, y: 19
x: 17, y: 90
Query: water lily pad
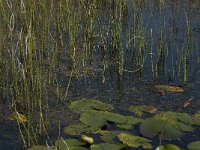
x: 98, y: 119
x: 69, y: 142
x: 168, y: 147
x: 183, y: 121
x: 61, y: 144
x: 21, y: 118
x: 156, y: 126
x: 152, y: 127
x: 125, y: 126
x: 85, y: 104
x: 139, y: 110
x: 169, y: 88
x: 183, y: 127
x: 182, y: 117
x: 78, y: 129
x: 134, y: 141
x: 75, y: 148
x: 107, y: 146
x: 39, y: 147
x: 93, y: 119
x: 196, y: 118
x: 130, y: 123
x: 109, y: 136
x: 194, y: 145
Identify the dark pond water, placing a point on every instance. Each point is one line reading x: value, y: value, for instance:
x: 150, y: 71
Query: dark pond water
x: 171, y: 31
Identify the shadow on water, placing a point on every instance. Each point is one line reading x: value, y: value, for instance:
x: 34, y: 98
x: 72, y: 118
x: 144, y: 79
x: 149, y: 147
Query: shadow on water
x: 122, y: 50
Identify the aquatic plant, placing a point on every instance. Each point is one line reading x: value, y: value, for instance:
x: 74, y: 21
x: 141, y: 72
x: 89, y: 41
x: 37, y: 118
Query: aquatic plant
x: 165, y: 126
x: 46, y: 44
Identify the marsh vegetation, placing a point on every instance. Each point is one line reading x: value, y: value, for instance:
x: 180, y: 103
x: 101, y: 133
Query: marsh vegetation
x: 124, y: 52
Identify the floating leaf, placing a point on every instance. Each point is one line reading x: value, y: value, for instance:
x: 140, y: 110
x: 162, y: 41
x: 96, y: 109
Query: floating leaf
x: 93, y: 119
x: 107, y: 146
x: 182, y: 117
x: 183, y: 127
x: 18, y: 117
x: 134, y: 141
x: 70, y: 142
x: 133, y: 120
x: 109, y: 136
x: 78, y: 129
x: 147, y: 146
x: 42, y: 148
x: 183, y: 121
x: 125, y: 126
x: 152, y: 127
x: 169, y: 88
x: 85, y: 104
x: 76, y: 148
x: 87, y: 139
x: 168, y: 125
x: 97, y: 119
x: 138, y: 110
x: 194, y: 145
x: 168, y: 147
x: 61, y: 144
x: 130, y: 123
x: 196, y: 118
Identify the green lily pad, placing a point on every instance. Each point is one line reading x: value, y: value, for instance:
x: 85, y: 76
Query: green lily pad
x: 152, y: 127
x: 183, y: 121
x: 125, y: 126
x: 107, y: 146
x: 139, y: 110
x: 97, y: 119
x: 184, y: 127
x: 182, y: 117
x: 39, y: 147
x: 196, y: 118
x: 93, y: 119
x: 135, y: 141
x: 78, y: 129
x: 194, y: 145
x: 168, y: 147
x: 68, y: 143
x: 72, y: 144
x: 130, y: 123
x: 76, y: 148
x: 109, y: 136
x: 85, y: 104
